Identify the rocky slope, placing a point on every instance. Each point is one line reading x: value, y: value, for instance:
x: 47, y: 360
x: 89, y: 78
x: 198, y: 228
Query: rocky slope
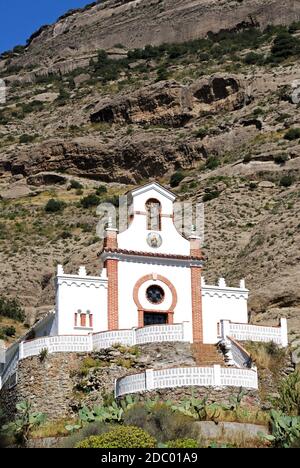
x: 202, y: 110
x: 76, y: 36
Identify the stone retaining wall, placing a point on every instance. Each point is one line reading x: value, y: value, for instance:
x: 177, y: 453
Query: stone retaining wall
x: 57, y: 387
x: 220, y: 395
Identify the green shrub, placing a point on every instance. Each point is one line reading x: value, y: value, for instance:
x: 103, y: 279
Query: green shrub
x: 281, y: 158
x: 54, y: 206
x: 292, y: 134
x: 247, y: 159
x: 74, y: 184
x: 121, y: 437
x: 12, y: 309
x: 159, y: 420
x: 252, y: 58
x: 201, y: 133
x: 284, y: 46
x: 63, y: 97
x: 212, y: 163
x: 33, y: 106
x: 286, y: 181
x: 90, y: 201
x: 101, y: 190
x: 162, y: 74
x: 253, y: 185
x: 43, y: 354
x: 183, y: 443
x: 289, y: 394
x: 210, y: 196
x: 285, y: 430
x: 176, y: 178
x: 24, y: 423
x: 7, y: 331
x: 91, y: 429
x: 25, y: 138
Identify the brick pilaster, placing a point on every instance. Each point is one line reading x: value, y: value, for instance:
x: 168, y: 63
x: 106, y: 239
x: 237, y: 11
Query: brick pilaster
x: 113, y: 294
x: 111, y: 240
x: 196, y: 304
x: 195, y: 247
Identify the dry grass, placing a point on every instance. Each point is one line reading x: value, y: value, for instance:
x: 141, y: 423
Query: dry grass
x: 241, y: 415
x: 52, y: 429
x: 266, y: 355
x: 237, y: 441
x: 20, y: 329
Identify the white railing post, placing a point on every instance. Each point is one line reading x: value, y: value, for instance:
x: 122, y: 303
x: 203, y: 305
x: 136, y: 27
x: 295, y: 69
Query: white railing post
x: 21, y: 350
x: 186, y: 332
x: 91, y: 343
x: 149, y: 379
x: 225, y: 328
x: 284, y: 332
x: 134, y: 338
x: 217, y: 375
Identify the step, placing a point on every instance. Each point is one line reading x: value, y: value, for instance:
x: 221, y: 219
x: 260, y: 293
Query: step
x: 207, y: 354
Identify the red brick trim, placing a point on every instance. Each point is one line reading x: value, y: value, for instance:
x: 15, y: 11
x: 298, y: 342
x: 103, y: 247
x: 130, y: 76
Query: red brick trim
x: 196, y: 304
x: 112, y: 294
x: 111, y: 240
x: 195, y: 248
x: 141, y: 309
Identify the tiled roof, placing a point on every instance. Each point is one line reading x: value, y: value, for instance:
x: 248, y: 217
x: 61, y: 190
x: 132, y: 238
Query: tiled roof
x: 149, y: 254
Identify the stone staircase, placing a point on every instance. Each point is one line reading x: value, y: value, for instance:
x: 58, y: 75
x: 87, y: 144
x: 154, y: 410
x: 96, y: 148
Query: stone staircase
x: 207, y: 355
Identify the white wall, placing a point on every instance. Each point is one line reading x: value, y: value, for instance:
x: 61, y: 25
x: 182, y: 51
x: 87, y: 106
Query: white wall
x: 81, y: 293
x: 222, y: 304
x: 135, y: 237
x: 130, y: 273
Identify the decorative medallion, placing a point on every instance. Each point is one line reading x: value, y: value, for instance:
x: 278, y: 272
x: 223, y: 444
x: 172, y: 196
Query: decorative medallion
x: 154, y: 240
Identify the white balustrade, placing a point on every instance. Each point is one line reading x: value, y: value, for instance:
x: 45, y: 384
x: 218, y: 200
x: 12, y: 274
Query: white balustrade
x: 136, y: 336
x: 95, y: 342
x: 57, y: 344
x: 160, y: 333
x: 233, y: 377
x: 105, y: 340
x: 236, y: 354
x: 247, y: 332
x: 215, y: 376
x: 131, y: 384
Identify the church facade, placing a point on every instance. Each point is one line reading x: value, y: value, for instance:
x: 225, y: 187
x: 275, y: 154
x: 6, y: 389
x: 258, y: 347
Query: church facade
x: 150, y: 288
x: 151, y: 275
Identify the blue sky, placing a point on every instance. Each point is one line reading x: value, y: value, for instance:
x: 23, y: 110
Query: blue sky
x: 20, y: 18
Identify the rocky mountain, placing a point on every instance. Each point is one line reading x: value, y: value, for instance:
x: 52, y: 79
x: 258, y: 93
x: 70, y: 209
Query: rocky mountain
x: 76, y: 36
x: 211, y: 108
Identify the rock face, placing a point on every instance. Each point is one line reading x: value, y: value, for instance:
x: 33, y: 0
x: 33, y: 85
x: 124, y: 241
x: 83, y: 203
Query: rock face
x: 172, y: 104
x: 131, y: 160
x: 137, y: 23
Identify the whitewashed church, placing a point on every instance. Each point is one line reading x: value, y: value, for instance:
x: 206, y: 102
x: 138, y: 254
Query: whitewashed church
x: 150, y: 289
x: 151, y: 275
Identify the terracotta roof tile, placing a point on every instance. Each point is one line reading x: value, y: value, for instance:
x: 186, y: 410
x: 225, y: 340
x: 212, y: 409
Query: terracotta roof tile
x: 149, y: 254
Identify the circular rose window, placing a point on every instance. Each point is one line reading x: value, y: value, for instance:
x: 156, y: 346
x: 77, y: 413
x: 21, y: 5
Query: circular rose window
x: 155, y: 294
